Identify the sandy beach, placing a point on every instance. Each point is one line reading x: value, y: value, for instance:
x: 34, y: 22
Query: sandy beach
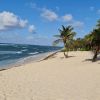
x: 57, y: 78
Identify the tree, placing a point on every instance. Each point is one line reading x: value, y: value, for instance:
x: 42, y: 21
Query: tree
x: 88, y: 40
x: 96, y: 41
x: 66, y: 36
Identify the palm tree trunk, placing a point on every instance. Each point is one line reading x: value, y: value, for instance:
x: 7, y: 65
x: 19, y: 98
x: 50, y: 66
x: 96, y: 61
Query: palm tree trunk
x: 95, y: 54
x: 66, y: 55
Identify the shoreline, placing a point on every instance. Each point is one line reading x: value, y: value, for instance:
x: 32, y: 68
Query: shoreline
x: 30, y: 59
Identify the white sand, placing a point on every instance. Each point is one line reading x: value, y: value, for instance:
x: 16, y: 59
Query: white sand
x: 53, y: 79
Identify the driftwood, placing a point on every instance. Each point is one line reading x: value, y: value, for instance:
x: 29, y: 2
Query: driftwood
x: 50, y: 55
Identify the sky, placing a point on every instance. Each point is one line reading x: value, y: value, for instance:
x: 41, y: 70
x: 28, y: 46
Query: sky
x: 37, y: 21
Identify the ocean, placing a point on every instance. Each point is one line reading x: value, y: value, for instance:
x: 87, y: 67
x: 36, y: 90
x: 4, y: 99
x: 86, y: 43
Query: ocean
x: 14, y: 53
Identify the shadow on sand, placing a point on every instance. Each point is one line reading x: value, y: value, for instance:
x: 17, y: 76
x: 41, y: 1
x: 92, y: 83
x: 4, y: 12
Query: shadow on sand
x: 67, y: 57
x: 98, y: 59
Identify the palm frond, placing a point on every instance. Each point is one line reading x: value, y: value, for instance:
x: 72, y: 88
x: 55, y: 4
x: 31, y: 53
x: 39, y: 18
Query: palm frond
x: 57, y: 41
x: 63, y: 27
x: 58, y: 36
x: 60, y: 31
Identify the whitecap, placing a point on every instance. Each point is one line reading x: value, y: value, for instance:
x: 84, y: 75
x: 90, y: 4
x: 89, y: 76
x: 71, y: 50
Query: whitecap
x: 19, y: 52
x: 33, y: 53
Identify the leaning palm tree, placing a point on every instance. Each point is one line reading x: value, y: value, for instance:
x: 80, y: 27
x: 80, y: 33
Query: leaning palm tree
x: 66, y: 36
x: 96, y: 41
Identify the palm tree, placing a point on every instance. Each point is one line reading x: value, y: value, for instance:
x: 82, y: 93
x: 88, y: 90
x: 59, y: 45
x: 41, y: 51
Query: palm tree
x: 79, y: 43
x: 96, y: 40
x: 88, y: 41
x: 66, y: 36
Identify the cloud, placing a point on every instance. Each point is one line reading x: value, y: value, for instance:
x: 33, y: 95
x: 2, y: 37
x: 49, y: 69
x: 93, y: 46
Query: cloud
x: 78, y: 24
x: 22, y: 23
x: 92, y: 8
x: 31, y: 29
x: 33, y: 5
x: 39, y: 39
x: 67, y: 18
x: 9, y: 20
x: 49, y: 15
x: 11, y: 38
x: 45, y: 13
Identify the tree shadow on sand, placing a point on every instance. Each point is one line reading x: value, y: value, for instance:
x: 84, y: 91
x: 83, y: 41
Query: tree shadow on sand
x: 67, y: 57
x: 98, y: 59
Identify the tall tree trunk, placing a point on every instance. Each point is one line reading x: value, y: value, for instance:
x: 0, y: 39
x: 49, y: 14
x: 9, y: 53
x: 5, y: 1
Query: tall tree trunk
x: 95, y: 54
x: 66, y: 55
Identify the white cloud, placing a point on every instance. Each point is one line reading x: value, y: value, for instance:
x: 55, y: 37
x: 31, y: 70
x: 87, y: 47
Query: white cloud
x: 23, y: 23
x: 9, y: 20
x: 67, y: 18
x: 78, y: 24
x: 49, y: 15
x: 45, y: 13
x: 32, y: 29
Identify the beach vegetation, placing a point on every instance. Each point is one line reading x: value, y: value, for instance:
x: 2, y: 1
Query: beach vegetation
x: 66, y: 37
x: 90, y: 42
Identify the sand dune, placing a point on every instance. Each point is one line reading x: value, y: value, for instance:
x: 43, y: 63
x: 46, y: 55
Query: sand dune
x: 58, y: 78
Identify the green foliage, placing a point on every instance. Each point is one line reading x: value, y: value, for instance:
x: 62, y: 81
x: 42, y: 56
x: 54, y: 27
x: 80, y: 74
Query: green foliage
x: 88, y: 42
x: 66, y: 37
